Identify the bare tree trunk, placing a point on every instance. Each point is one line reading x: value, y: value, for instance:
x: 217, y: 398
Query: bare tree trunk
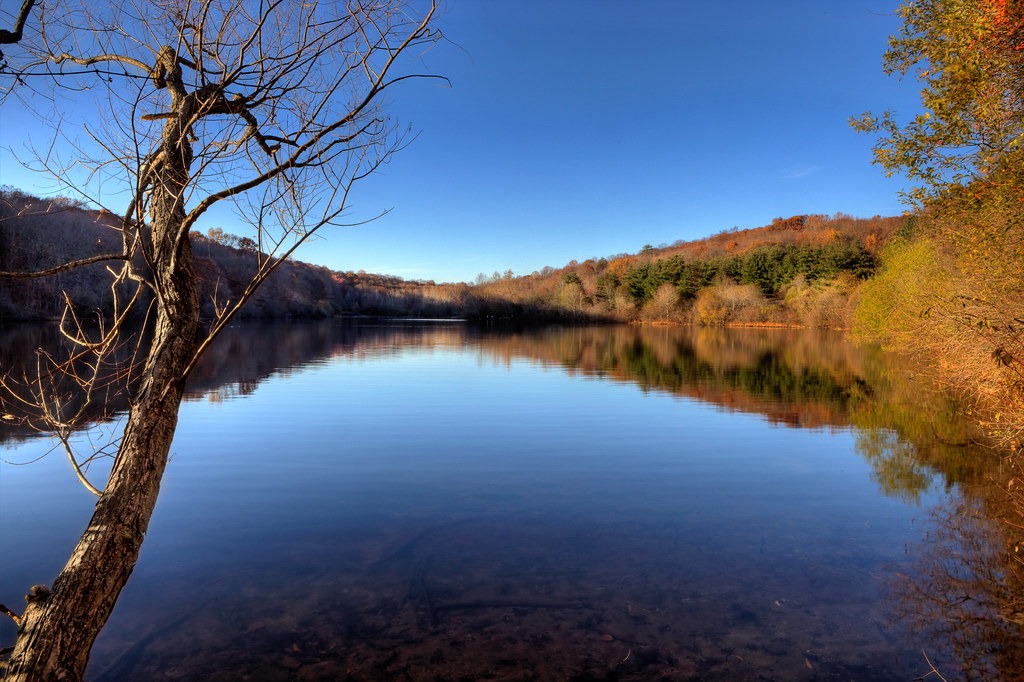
x: 59, y: 626
x: 300, y: 83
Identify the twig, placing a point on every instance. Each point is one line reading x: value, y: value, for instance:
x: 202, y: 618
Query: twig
x: 15, y: 617
x: 932, y: 667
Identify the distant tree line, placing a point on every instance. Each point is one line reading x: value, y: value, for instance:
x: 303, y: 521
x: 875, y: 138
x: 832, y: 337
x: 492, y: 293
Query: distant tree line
x: 39, y: 233
x: 799, y: 270
x: 770, y: 268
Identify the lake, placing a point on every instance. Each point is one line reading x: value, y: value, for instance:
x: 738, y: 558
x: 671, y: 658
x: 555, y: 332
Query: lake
x: 437, y: 501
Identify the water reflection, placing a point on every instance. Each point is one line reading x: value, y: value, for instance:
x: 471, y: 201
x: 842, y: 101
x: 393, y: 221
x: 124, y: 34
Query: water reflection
x: 807, y: 378
x: 455, y: 509
x: 966, y: 589
x: 801, y: 378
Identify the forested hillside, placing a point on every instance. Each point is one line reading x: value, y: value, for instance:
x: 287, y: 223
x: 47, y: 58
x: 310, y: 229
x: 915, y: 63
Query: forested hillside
x: 802, y: 270
x: 799, y: 270
x: 37, y: 234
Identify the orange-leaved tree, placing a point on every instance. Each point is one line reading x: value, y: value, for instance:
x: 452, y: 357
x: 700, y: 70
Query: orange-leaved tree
x: 953, y: 290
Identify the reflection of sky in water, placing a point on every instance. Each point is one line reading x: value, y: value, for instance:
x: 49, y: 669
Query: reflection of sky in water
x: 394, y: 445
x: 443, y: 433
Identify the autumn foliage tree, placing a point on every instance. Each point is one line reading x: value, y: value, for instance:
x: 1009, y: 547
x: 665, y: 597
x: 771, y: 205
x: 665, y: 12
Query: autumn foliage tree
x: 952, y: 288
x: 969, y: 57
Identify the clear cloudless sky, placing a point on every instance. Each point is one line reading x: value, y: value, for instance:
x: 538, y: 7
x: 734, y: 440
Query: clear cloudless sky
x: 574, y: 129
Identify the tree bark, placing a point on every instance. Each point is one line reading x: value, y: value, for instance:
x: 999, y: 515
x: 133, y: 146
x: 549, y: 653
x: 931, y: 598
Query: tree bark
x: 270, y: 68
x: 59, y: 628
x: 59, y: 625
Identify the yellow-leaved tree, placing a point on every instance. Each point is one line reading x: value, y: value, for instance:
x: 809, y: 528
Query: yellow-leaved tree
x: 951, y: 288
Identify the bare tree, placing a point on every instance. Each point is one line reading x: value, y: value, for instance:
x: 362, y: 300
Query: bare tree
x: 274, y: 106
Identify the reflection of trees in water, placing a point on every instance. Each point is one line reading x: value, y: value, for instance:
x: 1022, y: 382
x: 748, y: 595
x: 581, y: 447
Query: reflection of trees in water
x: 802, y: 378
x: 243, y: 357
x: 809, y: 378
x: 247, y: 355
x: 896, y: 467
x: 912, y: 429
x: 967, y: 589
x: 967, y: 586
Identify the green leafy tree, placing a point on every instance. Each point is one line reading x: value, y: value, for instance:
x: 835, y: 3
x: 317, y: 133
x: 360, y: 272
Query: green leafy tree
x: 640, y: 283
x: 969, y: 57
x: 572, y: 278
x: 607, y: 284
x: 695, y: 276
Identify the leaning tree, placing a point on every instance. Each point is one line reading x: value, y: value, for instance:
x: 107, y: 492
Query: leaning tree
x: 272, y: 106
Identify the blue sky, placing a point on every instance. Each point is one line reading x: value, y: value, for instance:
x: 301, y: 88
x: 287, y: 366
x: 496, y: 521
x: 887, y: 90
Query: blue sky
x: 586, y: 128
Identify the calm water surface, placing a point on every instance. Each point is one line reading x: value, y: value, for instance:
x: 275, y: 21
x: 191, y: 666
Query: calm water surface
x: 419, y: 502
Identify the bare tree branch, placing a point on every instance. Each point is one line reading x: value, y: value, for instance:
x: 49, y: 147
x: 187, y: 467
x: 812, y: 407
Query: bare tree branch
x: 64, y: 267
x: 10, y: 37
x: 270, y: 105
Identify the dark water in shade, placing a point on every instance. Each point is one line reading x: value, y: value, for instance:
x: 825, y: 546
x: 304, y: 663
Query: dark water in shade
x: 432, y: 502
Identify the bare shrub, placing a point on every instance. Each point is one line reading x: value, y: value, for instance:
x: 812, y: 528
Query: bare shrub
x: 725, y: 303
x: 822, y: 305
x: 664, y: 306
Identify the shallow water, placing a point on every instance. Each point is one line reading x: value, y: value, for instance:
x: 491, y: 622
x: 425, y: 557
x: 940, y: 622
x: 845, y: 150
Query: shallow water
x: 429, y: 501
